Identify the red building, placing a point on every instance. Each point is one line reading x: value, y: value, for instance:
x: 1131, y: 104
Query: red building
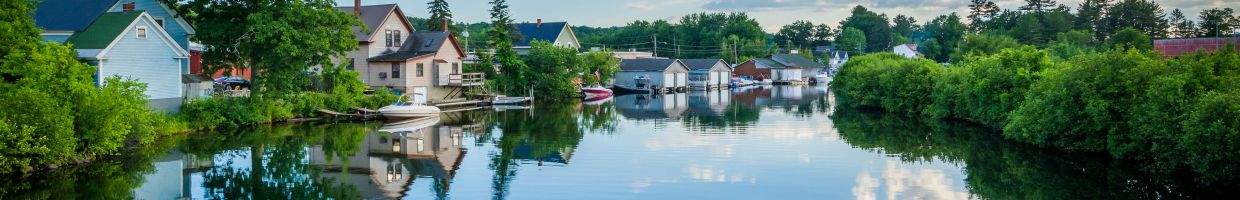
x: 195, y: 67
x: 1177, y: 47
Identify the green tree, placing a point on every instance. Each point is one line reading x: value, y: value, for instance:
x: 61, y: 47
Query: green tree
x: 440, y: 14
x: 823, y: 34
x: 875, y: 26
x: 278, y: 40
x: 1143, y: 15
x: 554, y: 70
x: 1218, y: 22
x: 982, y: 45
x: 799, y: 34
x: 1130, y: 38
x: 851, y: 40
x: 981, y: 11
x: 947, y: 31
x: 1181, y: 26
x: 17, y: 29
x: 988, y: 88
x: 1089, y: 16
x: 888, y: 81
x: 905, y: 26
x: 600, y: 67
x: 1038, y: 6
x: 513, y: 72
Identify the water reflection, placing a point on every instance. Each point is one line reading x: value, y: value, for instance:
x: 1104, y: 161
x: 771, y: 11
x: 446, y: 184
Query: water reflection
x: 786, y: 142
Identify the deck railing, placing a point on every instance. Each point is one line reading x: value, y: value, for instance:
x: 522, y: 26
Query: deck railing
x: 466, y: 79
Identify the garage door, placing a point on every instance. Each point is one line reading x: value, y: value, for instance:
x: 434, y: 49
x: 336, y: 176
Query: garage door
x: 682, y: 79
x: 669, y: 80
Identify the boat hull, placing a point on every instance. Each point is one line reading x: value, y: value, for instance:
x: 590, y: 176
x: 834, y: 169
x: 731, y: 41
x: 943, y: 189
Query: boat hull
x: 620, y: 89
x: 408, y: 111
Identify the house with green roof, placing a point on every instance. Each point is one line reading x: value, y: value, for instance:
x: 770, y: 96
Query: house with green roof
x: 132, y: 45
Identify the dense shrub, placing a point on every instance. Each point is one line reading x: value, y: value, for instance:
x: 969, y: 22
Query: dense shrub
x: 1211, y: 135
x: 888, y: 81
x: 981, y: 45
x: 986, y: 89
x: 1079, y: 106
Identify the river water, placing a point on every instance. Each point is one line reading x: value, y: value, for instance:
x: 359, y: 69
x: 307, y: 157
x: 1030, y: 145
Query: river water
x: 783, y: 142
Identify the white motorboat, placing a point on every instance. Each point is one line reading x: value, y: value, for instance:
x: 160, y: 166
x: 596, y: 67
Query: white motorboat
x: 410, y: 125
x: 402, y: 110
x: 506, y: 100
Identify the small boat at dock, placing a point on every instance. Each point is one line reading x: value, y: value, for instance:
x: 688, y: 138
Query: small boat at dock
x: 506, y: 100
x: 404, y: 110
x: 595, y: 92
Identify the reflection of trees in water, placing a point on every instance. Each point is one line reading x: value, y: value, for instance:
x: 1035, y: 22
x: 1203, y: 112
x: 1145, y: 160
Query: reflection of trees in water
x: 546, y: 133
x: 278, y: 162
x: 111, y: 178
x: 599, y: 118
x: 998, y: 169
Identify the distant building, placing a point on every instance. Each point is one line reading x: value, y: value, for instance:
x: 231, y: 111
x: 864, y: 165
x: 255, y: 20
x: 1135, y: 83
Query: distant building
x: 557, y: 33
x: 632, y: 54
x: 705, y: 74
x: 809, y: 68
x: 428, y: 66
x: 1177, y: 47
x: 754, y: 69
x: 659, y: 74
x: 906, y: 50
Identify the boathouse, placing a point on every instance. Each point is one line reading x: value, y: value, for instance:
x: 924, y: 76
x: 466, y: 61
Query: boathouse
x: 652, y: 75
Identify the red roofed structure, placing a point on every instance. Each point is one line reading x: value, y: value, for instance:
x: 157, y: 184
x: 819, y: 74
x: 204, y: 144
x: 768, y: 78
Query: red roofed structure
x: 1177, y: 47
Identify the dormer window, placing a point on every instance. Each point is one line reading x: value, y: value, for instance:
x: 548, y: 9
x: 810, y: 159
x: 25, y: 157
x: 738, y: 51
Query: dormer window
x: 160, y: 22
x: 392, y: 38
x: 141, y: 32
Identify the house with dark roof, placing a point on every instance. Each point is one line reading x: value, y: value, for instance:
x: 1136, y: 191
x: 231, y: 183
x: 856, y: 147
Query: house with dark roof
x: 557, y: 33
x: 427, y: 67
x: 392, y: 159
x: 385, y: 30
x: 652, y: 75
x: 706, y: 74
x: 809, y: 69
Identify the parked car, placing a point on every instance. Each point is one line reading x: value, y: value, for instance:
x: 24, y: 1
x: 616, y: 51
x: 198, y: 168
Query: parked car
x: 232, y: 83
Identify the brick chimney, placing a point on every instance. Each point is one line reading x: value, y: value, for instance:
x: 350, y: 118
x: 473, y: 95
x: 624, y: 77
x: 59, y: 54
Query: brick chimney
x: 128, y: 7
x: 445, y: 25
x: 538, y: 24
x: 357, y: 7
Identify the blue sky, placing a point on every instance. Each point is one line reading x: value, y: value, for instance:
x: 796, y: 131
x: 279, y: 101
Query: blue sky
x: 770, y: 13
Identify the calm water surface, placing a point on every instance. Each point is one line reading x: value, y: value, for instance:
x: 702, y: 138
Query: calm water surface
x: 785, y: 142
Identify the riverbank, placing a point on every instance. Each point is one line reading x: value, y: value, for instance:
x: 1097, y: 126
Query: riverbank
x: 1168, y: 113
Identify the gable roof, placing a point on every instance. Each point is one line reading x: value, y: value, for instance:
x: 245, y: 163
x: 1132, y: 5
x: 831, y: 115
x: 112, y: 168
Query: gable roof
x: 548, y: 31
x: 702, y: 64
x: 420, y: 44
x: 797, y: 61
x: 768, y: 63
x: 70, y: 15
x: 373, y: 17
x: 104, y: 30
x: 647, y: 64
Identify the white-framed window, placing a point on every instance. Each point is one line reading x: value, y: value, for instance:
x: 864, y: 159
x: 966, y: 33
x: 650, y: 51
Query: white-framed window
x: 395, y: 70
x: 141, y: 32
x: 419, y: 72
x: 396, y: 35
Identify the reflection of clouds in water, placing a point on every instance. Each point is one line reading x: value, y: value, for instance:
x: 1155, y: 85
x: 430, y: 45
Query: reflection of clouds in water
x: 710, y: 174
x: 866, y: 184
x: 900, y: 182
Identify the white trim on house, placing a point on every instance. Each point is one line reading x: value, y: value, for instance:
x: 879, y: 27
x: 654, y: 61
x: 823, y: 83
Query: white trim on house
x: 181, y: 53
x: 404, y: 22
x: 567, y: 27
x: 64, y: 33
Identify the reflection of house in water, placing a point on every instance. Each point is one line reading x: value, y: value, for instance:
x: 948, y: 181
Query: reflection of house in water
x: 167, y: 181
x: 712, y: 103
x: 389, y: 162
x: 659, y: 106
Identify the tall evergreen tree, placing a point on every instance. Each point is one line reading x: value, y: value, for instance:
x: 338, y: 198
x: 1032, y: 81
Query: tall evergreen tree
x: 904, y: 26
x: 1143, y: 15
x: 823, y: 34
x: 1181, y: 26
x: 440, y: 14
x: 1218, y: 22
x: 1089, y: 16
x: 513, y: 72
x: 981, y: 11
x: 1038, y: 6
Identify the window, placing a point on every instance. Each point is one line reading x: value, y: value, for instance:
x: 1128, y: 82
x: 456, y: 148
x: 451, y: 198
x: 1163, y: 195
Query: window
x: 419, y: 69
x: 395, y: 70
x: 141, y: 32
x: 396, y: 38
x: 352, y: 65
x: 456, y: 68
x: 387, y: 38
x: 160, y: 22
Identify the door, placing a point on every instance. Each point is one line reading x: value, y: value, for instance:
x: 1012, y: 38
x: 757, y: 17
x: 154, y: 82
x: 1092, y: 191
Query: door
x: 669, y: 80
x: 713, y: 80
x: 682, y: 79
x: 419, y: 95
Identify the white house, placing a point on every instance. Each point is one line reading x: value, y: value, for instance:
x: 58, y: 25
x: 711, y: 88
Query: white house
x: 557, y: 33
x: 655, y: 74
x: 906, y: 50
x: 809, y: 68
x: 705, y: 74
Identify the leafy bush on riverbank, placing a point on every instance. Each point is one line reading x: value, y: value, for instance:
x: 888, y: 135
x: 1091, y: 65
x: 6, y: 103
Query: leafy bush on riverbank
x: 888, y: 81
x: 1132, y: 104
x: 52, y: 113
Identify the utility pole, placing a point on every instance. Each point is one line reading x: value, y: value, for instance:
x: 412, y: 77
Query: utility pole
x: 677, y: 46
x: 656, y: 45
